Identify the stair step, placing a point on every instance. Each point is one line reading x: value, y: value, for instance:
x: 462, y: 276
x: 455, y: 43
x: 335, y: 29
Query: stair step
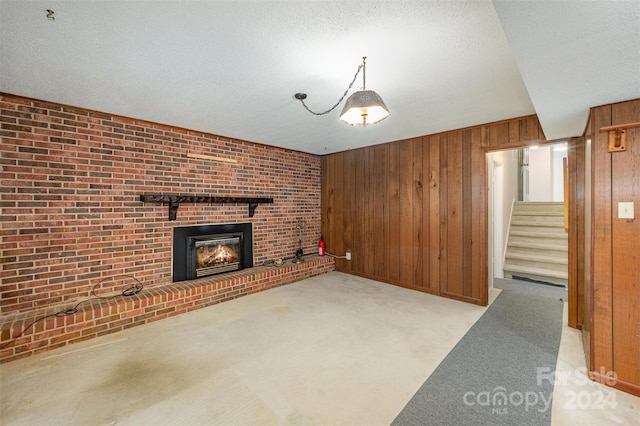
x: 540, y: 239
x: 539, y: 203
x: 556, y: 281
x: 528, y: 208
x: 544, y: 266
x: 537, y: 245
x: 534, y: 234
x: 527, y: 214
x: 539, y: 206
x: 538, y: 211
x: 538, y: 257
x: 535, y: 223
x: 524, y: 251
x: 514, y: 269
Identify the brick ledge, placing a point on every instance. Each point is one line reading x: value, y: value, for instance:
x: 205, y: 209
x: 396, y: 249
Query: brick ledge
x: 99, y: 317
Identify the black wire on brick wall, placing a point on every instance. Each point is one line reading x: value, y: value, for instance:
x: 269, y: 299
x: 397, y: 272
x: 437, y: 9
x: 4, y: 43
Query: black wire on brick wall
x: 127, y: 291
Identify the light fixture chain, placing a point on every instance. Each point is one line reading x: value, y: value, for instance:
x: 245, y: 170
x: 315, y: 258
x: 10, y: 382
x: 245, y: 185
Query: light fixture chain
x: 364, y: 73
x: 339, y: 100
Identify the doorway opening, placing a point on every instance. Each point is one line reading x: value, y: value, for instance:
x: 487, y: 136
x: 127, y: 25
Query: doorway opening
x: 527, y: 236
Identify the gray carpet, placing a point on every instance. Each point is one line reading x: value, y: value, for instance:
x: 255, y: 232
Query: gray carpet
x: 500, y: 371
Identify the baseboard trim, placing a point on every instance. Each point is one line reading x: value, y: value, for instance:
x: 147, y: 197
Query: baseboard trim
x: 621, y: 385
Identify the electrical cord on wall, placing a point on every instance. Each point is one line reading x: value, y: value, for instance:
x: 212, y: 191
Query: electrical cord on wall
x: 127, y: 291
x: 277, y: 262
x: 280, y: 260
x: 335, y: 256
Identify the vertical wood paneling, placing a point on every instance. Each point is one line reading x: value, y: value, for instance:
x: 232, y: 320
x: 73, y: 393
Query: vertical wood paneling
x: 588, y: 242
x: 514, y: 131
x: 601, y: 325
x: 498, y: 134
x: 434, y: 213
x: 394, y: 212
x: 350, y: 213
x: 467, y: 215
x: 580, y: 226
x: 361, y: 250
x: 625, y: 187
x: 378, y: 228
x: 479, y: 226
x: 418, y: 255
x: 528, y: 129
x: 414, y: 211
x: 444, y: 213
x: 455, y: 231
x: 328, y: 172
x: 576, y: 234
x: 369, y: 221
x: 426, y: 215
x: 611, y: 330
x: 406, y: 213
x: 338, y: 200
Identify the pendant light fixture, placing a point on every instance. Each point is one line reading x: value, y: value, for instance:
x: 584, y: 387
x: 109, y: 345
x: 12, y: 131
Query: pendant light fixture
x: 361, y: 108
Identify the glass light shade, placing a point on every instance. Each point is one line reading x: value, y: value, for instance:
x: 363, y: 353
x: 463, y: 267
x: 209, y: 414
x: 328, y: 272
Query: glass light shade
x: 364, y: 107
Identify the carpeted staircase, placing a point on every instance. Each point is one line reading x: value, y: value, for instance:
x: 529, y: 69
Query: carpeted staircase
x: 537, y: 247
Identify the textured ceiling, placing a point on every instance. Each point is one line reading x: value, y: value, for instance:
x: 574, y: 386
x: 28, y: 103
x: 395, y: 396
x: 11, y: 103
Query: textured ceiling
x: 232, y: 67
x: 573, y: 55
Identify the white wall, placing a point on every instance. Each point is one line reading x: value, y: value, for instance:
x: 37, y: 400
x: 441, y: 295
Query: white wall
x: 546, y: 179
x: 502, y: 166
x: 540, y: 187
x: 509, y: 160
x: 558, y: 153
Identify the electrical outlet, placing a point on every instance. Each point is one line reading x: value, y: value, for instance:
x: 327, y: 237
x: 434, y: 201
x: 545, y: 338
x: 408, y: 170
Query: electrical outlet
x: 625, y: 210
x: 348, y: 256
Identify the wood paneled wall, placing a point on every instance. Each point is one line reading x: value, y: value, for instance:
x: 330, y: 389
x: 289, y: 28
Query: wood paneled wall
x: 576, y: 231
x: 414, y: 212
x: 614, y: 296
x: 588, y: 244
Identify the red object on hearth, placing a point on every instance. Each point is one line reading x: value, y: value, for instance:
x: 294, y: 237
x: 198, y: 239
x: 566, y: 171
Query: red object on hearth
x: 321, y: 247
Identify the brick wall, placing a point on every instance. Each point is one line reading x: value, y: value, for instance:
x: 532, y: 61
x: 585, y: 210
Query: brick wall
x: 70, y: 215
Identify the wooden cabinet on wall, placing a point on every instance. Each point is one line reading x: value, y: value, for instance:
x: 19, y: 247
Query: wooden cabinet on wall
x: 414, y: 212
x: 612, y: 335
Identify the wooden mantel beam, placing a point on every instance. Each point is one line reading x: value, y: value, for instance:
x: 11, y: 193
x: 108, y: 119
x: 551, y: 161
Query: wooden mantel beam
x: 174, y: 201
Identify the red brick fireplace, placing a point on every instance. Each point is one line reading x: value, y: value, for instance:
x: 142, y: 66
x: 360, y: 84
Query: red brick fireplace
x: 71, y: 217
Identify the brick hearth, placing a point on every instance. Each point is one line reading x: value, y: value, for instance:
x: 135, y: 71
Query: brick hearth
x: 99, y: 317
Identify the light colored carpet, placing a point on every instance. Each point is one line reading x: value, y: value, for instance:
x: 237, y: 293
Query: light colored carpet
x: 331, y: 350
x: 334, y: 349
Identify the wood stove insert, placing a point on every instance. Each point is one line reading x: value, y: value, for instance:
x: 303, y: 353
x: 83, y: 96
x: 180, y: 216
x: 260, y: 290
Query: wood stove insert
x: 203, y: 250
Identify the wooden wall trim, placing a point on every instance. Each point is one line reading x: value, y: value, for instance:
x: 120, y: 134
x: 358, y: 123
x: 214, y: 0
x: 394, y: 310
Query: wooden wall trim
x: 623, y: 385
x: 575, y: 230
